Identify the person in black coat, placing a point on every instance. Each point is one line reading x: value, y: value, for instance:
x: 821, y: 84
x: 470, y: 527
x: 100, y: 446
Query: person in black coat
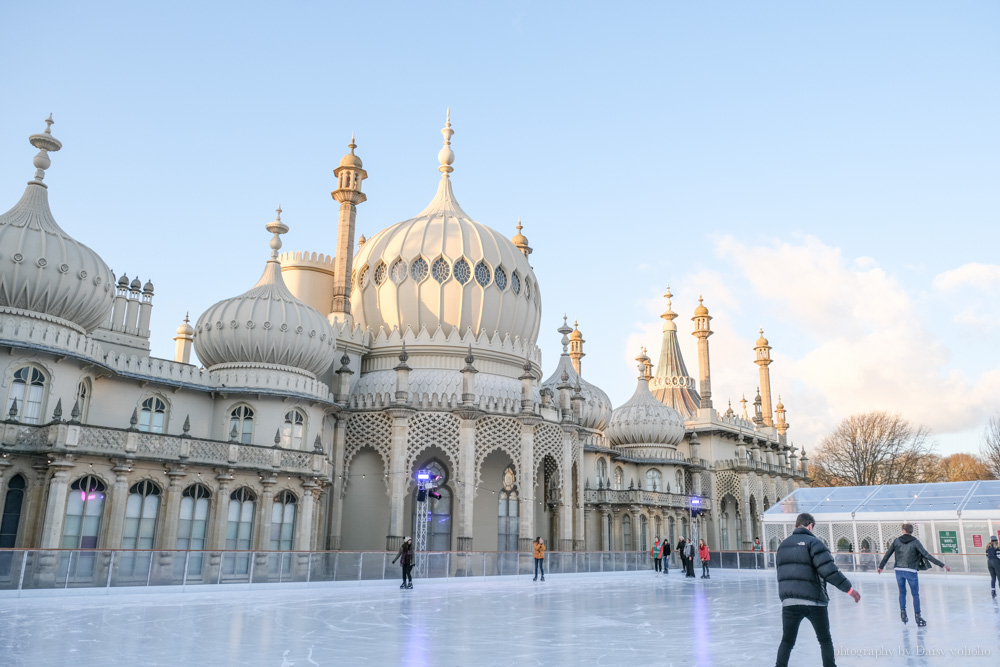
x: 993, y: 563
x: 804, y: 567
x: 680, y: 553
x: 689, y: 553
x: 665, y: 553
x: 405, y: 558
x: 909, y: 551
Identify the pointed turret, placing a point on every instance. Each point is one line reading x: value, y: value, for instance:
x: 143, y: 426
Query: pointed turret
x: 763, y: 359
x: 702, y: 331
x: 576, y: 342
x: 671, y: 384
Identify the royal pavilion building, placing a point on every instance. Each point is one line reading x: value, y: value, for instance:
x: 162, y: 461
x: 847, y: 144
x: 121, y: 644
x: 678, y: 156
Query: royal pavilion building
x: 294, y: 416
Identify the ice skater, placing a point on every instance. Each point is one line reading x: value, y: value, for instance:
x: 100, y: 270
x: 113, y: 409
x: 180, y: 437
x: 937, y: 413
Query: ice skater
x: 688, y: 558
x: 406, y: 554
x: 704, y: 556
x: 805, y: 566
x: 910, y: 554
x: 993, y: 563
x: 680, y: 553
x: 665, y: 555
x: 539, y: 558
x: 655, y: 555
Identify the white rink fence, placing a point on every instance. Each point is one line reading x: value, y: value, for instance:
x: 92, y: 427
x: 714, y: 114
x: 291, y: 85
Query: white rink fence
x: 33, y: 569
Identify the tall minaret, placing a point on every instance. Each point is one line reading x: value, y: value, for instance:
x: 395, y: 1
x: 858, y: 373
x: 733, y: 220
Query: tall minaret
x: 576, y: 342
x: 349, y: 176
x: 763, y: 360
x: 702, y: 332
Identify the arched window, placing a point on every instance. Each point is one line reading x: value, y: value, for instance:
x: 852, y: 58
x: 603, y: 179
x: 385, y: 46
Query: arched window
x: 83, y: 391
x: 619, y: 477
x: 153, y: 415
x: 724, y: 530
x: 658, y: 527
x: 293, y: 430
x: 435, y: 511
x: 843, y: 544
x: 602, y: 472
x: 626, y: 533
x: 283, y: 522
x: 654, y: 480
x: 241, y: 421
x: 12, y: 503
x: 28, y: 389
x: 140, y: 515
x: 643, y: 525
x: 679, y: 477
x: 671, y: 531
x: 84, y: 508
x: 239, y: 530
x: 140, y: 526
x: 192, y: 525
x: 507, y: 512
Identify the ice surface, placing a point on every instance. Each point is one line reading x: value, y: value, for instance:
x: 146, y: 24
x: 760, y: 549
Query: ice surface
x: 635, y: 618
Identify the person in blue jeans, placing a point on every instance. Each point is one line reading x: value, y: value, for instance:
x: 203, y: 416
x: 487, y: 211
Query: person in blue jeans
x: 539, y: 558
x: 908, y: 551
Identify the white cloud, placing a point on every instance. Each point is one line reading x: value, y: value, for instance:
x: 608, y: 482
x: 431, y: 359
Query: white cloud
x: 868, y: 344
x: 980, y: 276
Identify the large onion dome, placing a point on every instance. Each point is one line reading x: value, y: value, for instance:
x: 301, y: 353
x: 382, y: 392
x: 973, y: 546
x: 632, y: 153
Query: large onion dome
x: 266, y: 327
x: 43, y: 270
x: 644, y: 421
x: 596, y: 406
x: 444, y: 269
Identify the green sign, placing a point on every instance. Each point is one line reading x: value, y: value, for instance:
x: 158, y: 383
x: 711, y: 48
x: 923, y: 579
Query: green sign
x: 948, y: 539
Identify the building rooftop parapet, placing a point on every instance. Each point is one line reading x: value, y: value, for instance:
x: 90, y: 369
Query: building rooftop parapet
x: 641, y: 497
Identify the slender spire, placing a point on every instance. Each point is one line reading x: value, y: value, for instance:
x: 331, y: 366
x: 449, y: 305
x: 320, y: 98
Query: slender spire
x: 446, y: 156
x: 44, y: 142
x: 352, y: 145
x: 669, y: 315
x: 520, y: 240
x: 565, y: 330
x: 276, y: 227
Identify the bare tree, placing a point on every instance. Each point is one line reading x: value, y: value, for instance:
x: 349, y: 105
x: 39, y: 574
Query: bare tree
x: 875, y: 448
x: 963, y: 467
x: 990, y: 450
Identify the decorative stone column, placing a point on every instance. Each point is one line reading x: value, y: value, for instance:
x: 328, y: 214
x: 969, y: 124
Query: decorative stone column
x: 466, y: 476
x: 399, y: 476
x: 55, y: 504
x: 116, y: 508
x: 526, y: 514
x: 303, y: 534
x: 166, y: 538
x: 607, y: 529
x: 336, y: 492
x: 566, y: 501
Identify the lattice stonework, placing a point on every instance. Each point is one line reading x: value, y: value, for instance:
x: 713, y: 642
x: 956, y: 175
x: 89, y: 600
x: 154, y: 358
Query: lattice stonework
x: 548, y: 440
x: 433, y: 429
x: 867, y: 537
x: 493, y: 433
x: 728, y: 481
x: 843, y: 537
x: 368, y: 429
x: 774, y: 534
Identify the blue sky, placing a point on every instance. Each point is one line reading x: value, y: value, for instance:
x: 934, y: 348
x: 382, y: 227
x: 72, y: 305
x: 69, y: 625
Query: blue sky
x: 825, y: 171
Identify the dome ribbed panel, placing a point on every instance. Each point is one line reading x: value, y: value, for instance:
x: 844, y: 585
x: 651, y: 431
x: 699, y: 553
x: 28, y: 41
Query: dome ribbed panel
x: 596, y: 407
x: 265, y: 325
x: 444, y: 230
x: 44, y: 270
x: 643, y: 420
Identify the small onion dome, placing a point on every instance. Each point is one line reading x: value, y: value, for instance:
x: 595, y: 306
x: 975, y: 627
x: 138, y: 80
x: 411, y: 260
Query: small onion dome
x: 135, y: 285
x: 351, y: 160
x: 148, y: 287
x: 575, y: 334
x: 265, y: 326
x: 780, y: 405
x: 701, y: 310
x: 643, y: 420
x: 596, y: 407
x: 762, y: 342
x: 185, y: 330
x: 123, y: 282
x: 519, y: 239
x: 45, y: 271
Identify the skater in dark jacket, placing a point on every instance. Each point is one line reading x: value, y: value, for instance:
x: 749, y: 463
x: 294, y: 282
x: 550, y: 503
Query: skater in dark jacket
x: 689, y: 552
x: 993, y: 563
x: 908, y: 551
x: 680, y: 553
x: 405, y: 558
x: 805, y: 566
x: 665, y: 555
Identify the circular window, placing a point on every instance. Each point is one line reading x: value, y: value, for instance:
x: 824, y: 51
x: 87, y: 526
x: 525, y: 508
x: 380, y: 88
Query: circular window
x: 440, y: 270
x: 418, y: 269
x: 515, y: 283
x: 398, y: 271
x: 483, y: 274
x: 380, y: 273
x: 462, y: 271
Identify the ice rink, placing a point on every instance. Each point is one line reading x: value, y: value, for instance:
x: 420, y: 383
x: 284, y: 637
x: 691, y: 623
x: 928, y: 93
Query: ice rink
x: 634, y: 618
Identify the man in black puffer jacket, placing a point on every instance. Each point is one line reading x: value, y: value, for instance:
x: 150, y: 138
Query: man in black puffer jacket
x: 805, y: 566
x: 908, y: 550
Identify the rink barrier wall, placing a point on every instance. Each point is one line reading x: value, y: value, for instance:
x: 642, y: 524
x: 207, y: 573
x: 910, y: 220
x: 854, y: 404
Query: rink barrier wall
x: 64, y: 569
